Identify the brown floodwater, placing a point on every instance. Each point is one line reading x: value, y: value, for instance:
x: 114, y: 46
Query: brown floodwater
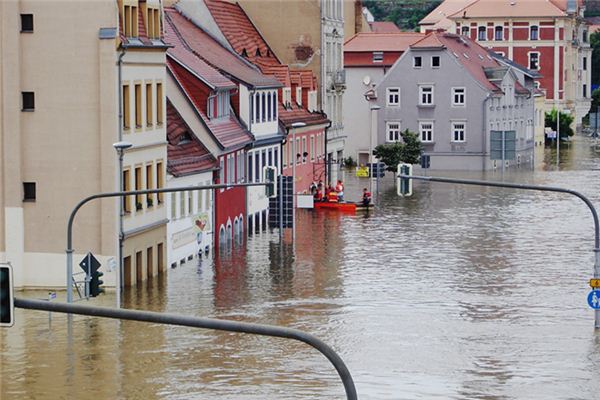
x: 454, y: 293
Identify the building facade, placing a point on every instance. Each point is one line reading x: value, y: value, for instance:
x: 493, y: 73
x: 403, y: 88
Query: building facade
x: 63, y: 108
x: 367, y: 58
x: 454, y: 94
x: 550, y: 37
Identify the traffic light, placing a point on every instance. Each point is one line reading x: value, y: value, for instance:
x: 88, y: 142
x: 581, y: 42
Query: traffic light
x: 95, y: 283
x: 6, y: 296
x: 404, y: 185
x: 270, y: 174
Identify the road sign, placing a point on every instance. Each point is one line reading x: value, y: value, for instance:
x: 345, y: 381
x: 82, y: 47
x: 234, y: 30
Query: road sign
x: 594, y: 299
x: 94, y: 263
x: 595, y: 283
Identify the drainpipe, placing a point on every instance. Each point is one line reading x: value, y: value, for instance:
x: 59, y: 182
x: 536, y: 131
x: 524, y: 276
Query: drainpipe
x: 121, y: 208
x: 484, y: 130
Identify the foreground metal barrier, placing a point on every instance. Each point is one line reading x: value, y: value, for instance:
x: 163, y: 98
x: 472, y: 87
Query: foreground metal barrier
x: 195, y: 322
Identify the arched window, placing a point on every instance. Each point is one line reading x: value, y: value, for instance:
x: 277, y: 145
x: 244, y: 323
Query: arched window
x: 222, y: 237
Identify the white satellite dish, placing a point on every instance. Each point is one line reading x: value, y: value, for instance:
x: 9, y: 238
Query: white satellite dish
x: 367, y: 79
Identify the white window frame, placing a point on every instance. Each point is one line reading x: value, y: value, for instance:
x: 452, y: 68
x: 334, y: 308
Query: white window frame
x: 388, y: 131
x: 421, y: 131
x: 378, y: 56
x: 439, y: 61
x: 454, y: 129
x: 388, y: 93
x: 421, y: 93
x: 538, y: 60
x: 464, y: 96
x: 485, y: 31
x: 537, y: 30
x: 495, y: 31
x: 415, y: 62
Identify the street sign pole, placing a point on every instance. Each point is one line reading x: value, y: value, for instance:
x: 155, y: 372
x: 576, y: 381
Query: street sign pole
x: 597, y: 276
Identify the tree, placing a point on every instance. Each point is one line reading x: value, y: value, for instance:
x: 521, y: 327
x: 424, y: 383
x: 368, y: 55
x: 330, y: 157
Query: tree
x: 595, y: 44
x: 565, y: 123
x: 408, y: 151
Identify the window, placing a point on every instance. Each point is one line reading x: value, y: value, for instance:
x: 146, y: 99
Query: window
x: 159, y: 104
x: 221, y: 171
x: 27, y: 23
x: 153, y: 23
x: 499, y: 33
x: 426, y: 131
x: 274, y: 104
x: 425, y: 95
x: 458, y: 96
x: 377, y: 56
x: 250, y: 169
x: 584, y: 36
x: 392, y: 131
x: 126, y: 108
x: 263, y: 108
x: 28, y: 99
x: 417, y: 62
x: 393, y: 96
x: 465, y: 31
x: 138, y: 186
x: 190, y: 202
x: 435, y: 62
x: 257, y: 170
x: 303, y: 150
x: 269, y: 109
x: 297, y: 149
x: 312, y: 148
x: 28, y: 191
x: 149, y: 119
x: 584, y: 62
x: 584, y: 90
x: 138, y: 106
x: 534, y: 61
x: 533, y: 32
x: 131, y: 21
x: 182, y: 197
x: 160, y: 180
x: 149, y: 185
x: 127, y: 188
x: 256, y: 107
x: 458, y: 131
x: 173, y: 206
x: 481, y: 33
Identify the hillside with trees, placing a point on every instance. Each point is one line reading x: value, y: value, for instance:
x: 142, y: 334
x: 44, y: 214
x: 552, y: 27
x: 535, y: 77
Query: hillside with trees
x: 406, y: 14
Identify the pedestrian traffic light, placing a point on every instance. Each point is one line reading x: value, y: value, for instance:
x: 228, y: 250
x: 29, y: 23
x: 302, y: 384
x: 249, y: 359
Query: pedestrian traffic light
x: 95, y: 283
x: 270, y: 176
x: 6, y: 296
x: 404, y: 185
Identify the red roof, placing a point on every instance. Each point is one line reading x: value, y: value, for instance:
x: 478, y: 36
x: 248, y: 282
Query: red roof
x: 295, y: 113
x: 471, y: 55
x: 211, y: 51
x: 226, y: 131
x: 509, y: 8
x: 185, y: 157
x: 383, y: 27
x: 184, y: 56
x: 370, y: 41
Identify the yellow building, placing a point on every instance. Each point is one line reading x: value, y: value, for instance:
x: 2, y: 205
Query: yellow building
x: 75, y: 78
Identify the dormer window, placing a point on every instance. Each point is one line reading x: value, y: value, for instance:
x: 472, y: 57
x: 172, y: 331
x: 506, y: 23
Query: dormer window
x: 218, y: 105
x: 130, y: 21
x: 153, y: 23
x: 184, y: 138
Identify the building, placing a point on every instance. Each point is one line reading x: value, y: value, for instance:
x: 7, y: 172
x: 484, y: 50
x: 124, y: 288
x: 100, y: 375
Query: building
x: 310, y: 35
x: 189, y: 163
x: 367, y: 58
x: 296, y: 102
x: 64, y: 105
x: 455, y: 94
x: 548, y: 36
x: 210, y: 104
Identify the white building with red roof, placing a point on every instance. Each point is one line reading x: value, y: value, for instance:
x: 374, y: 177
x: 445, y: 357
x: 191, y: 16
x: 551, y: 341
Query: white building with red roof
x: 548, y: 36
x: 367, y: 58
x: 455, y: 95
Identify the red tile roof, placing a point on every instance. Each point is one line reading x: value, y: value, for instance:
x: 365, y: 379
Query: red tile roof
x: 211, y: 51
x: 474, y: 58
x: 227, y: 132
x: 383, y: 27
x: 185, y: 158
x: 299, y: 114
x: 370, y: 41
x: 509, y: 8
x: 184, y: 56
x: 438, y: 18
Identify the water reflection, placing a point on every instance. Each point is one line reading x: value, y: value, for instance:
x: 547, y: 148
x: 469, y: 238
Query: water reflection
x: 456, y: 292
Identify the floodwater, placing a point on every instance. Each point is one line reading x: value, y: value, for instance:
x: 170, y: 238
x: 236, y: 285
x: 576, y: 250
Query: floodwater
x: 455, y: 293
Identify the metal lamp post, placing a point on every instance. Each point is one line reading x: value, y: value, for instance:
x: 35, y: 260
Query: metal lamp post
x: 295, y: 126
x: 120, y: 147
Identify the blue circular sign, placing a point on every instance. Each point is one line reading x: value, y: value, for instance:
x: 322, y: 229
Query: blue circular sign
x: 594, y: 299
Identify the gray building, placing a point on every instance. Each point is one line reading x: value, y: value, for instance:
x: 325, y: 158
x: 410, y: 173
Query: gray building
x: 459, y: 98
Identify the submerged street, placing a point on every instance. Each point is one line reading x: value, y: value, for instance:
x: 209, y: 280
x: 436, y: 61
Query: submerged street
x: 456, y: 292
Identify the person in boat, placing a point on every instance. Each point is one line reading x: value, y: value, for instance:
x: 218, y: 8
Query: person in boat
x: 318, y: 194
x: 331, y: 195
x: 339, y: 189
x: 313, y: 188
x: 366, y: 197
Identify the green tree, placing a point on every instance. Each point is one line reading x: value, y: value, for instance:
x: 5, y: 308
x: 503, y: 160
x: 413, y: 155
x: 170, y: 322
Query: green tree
x: 408, y: 151
x: 565, y: 123
x: 595, y: 44
x: 595, y: 100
